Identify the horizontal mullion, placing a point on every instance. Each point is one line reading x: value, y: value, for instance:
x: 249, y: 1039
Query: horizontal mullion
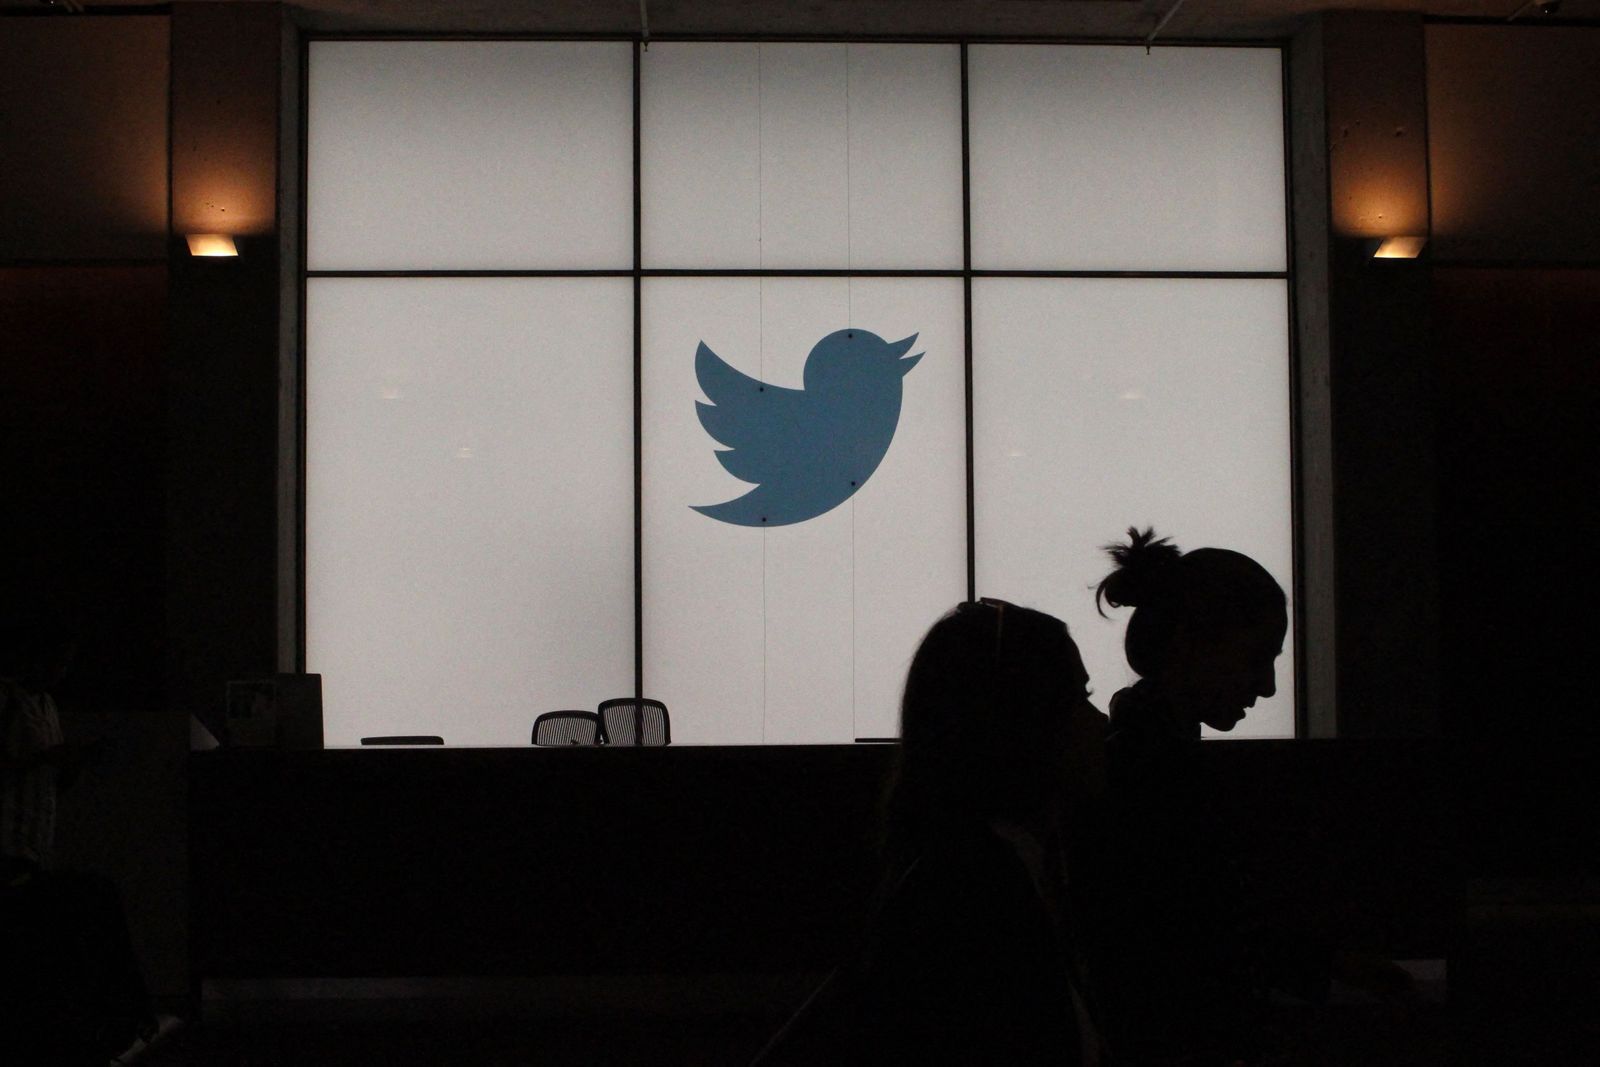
x: 1139, y: 40
x: 625, y: 272
x: 1241, y: 274
x: 797, y: 272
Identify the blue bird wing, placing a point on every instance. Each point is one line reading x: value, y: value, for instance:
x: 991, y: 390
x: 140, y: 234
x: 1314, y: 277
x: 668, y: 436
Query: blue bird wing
x: 761, y: 425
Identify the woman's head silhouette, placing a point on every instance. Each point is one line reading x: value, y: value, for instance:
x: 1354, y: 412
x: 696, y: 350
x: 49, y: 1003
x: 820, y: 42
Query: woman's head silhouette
x: 1206, y: 627
x: 995, y: 724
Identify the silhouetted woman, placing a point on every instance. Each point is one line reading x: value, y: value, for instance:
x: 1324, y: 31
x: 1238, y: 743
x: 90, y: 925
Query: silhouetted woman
x: 1206, y: 628
x: 974, y: 955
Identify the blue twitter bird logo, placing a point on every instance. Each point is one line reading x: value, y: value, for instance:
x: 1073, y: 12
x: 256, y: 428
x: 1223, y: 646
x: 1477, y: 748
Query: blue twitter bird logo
x: 806, y: 450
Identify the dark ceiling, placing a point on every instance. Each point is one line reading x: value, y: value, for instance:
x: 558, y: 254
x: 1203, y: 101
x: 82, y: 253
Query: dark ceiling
x: 1115, y: 19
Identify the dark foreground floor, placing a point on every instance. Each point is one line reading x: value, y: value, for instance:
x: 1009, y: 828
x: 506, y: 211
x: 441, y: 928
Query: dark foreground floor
x: 423, y: 1043
x: 1314, y: 1037
x: 1523, y: 988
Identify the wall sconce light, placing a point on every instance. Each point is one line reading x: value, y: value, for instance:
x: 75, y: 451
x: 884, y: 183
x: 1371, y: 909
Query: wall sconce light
x: 1399, y: 248
x: 211, y: 244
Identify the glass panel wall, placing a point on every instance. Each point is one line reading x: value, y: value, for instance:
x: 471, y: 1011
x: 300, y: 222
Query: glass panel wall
x: 780, y: 379
x: 469, y: 502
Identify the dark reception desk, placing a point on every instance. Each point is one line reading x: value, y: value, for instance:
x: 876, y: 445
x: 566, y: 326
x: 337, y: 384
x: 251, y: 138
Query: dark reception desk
x: 680, y: 860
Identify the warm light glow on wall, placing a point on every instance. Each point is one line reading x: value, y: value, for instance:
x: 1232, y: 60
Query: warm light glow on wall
x: 211, y: 244
x: 1376, y: 126
x: 1380, y: 202
x: 1400, y: 248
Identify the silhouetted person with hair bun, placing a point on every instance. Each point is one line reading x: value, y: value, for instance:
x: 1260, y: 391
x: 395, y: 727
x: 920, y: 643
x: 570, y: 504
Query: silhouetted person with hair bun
x: 974, y: 954
x: 1206, y: 628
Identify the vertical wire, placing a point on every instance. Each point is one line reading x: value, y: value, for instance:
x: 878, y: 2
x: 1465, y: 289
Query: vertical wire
x: 966, y: 321
x: 761, y: 361
x: 849, y: 247
x: 638, y: 401
x: 850, y: 322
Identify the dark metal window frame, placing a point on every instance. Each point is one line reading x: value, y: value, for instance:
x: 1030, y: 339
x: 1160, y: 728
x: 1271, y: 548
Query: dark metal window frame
x: 638, y: 273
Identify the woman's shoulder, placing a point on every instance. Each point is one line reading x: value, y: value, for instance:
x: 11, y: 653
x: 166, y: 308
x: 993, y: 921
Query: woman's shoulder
x: 1133, y: 707
x: 1143, y: 726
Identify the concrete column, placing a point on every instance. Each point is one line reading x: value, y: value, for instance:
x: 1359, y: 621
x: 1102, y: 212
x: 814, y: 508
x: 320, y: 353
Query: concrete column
x: 231, y: 64
x: 1366, y: 421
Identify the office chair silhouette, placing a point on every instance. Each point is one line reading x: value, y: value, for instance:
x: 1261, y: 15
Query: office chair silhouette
x: 555, y: 728
x: 627, y: 721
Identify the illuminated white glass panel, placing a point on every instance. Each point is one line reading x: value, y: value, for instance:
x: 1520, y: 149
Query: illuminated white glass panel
x: 799, y: 633
x: 469, y: 502
x: 1108, y: 158
x: 801, y: 156
x: 1104, y: 403
x: 469, y: 155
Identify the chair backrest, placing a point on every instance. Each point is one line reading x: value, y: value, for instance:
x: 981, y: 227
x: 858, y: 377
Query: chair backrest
x: 627, y: 721
x: 567, y: 728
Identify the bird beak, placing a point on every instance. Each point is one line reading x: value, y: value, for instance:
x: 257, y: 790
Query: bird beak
x: 896, y: 349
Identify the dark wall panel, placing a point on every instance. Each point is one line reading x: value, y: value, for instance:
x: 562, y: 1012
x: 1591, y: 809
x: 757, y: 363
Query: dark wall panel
x: 83, y: 122
x: 1518, y: 359
x: 1518, y: 356
x: 81, y: 467
x: 1514, y: 142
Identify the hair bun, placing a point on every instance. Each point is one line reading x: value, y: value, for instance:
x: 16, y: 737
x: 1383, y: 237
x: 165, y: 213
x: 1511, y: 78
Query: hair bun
x: 1140, y: 563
